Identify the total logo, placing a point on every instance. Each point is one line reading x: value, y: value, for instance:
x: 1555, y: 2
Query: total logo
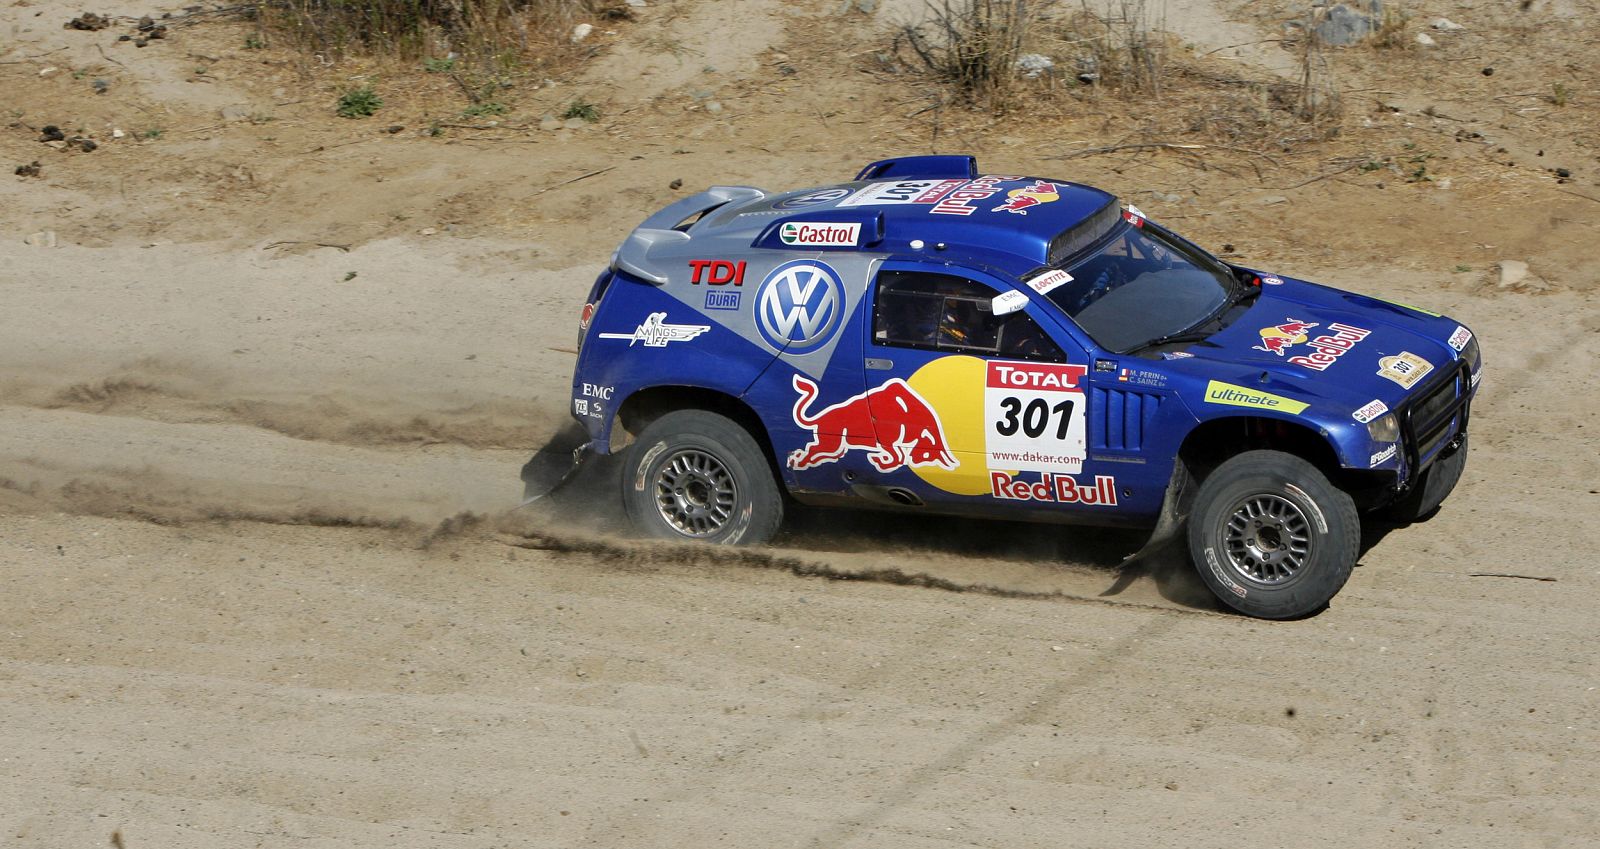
x: 817, y: 235
x: 800, y: 306
x: 1055, y: 488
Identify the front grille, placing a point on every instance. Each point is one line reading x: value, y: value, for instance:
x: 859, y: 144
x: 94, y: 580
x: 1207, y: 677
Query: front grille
x: 1435, y: 414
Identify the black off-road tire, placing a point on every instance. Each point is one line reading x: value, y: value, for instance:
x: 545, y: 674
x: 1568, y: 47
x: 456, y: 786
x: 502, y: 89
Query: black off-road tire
x: 696, y: 475
x: 1423, y: 499
x: 1272, y: 537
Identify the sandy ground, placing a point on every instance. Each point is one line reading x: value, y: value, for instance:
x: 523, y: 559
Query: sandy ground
x: 263, y: 580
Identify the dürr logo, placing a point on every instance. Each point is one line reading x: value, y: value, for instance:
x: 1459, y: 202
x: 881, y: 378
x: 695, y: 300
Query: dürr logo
x: 800, y: 306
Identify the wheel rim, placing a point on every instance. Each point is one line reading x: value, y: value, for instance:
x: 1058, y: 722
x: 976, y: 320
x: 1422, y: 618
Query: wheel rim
x: 1268, y: 539
x: 695, y: 493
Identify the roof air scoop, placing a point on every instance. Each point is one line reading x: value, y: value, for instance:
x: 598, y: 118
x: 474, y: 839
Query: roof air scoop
x: 922, y: 168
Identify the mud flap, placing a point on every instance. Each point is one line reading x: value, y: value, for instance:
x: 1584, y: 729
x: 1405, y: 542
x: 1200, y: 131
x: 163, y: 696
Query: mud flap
x: 556, y: 463
x: 1174, y: 509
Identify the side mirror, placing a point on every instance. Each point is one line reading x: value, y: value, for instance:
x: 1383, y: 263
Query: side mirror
x: 1007, y: 303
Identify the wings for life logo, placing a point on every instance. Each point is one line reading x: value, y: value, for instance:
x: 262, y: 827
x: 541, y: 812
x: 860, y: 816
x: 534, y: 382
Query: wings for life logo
x: 800, y: 306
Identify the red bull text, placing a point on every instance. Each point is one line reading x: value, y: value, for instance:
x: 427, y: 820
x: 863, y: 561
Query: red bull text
x: 1327, y: 349
x: 1056, y: 489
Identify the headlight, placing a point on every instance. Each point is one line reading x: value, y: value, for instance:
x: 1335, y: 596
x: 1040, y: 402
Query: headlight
x: 1384, y: 429
x: 1471, y: 354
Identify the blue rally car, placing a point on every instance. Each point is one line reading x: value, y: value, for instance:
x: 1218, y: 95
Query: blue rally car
x: 928, y: 338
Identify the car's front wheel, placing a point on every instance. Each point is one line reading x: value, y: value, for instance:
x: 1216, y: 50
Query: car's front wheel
x: 1271, y: 536
x: 697, y: 475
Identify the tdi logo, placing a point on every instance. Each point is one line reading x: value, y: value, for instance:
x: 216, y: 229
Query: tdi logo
x: 800, y: 306
x: 716, y: 272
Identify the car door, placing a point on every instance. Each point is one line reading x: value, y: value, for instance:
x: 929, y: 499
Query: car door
x: 971, y: 407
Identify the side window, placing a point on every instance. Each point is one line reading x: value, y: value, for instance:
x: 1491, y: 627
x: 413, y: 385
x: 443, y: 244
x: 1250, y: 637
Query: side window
x: 942, y: 312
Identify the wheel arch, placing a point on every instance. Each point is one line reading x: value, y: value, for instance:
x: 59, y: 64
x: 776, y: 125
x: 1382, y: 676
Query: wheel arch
x: 650, y: 403
x: 1213, y: 441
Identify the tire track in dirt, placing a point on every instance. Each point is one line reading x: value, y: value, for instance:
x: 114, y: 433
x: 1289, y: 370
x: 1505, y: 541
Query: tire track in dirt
x: 160, y: 393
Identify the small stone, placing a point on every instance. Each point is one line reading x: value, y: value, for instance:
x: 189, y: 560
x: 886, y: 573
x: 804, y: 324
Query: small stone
x: 1563, y: 173
x: 101, y: 86
x: 28, y: 170
x: 1446, y: 25
x: 1271, y: 200
x: 139, y: 42
x: 48, y: 72
x: 87, y: 145
x: 573, y: 124
x: 581, y: 32
x: 550, y: 123
x: 1512, y: 272
x: 89, y: 22
x: 42, y: 239
x: 116, y: 133
x: 675, y: 184
x: 427, y: 231
x: 1034, y: 65
x: 146, y: 24
x: 1424, y: 40
x: 637, y: 4
x: 1488, y: 72
x: 713, y: 107
x: 51, y: 133
x: 234, y: 113
x: 393, y: 129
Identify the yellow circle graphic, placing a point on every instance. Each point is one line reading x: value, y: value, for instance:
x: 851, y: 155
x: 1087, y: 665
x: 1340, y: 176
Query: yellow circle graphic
x: 953, y: 387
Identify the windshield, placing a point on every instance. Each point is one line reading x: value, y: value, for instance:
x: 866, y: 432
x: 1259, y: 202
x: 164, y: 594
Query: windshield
x: 1141, y: 285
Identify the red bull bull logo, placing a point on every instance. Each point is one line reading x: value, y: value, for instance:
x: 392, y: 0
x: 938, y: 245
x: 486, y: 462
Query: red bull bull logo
x: 891, y: 422
x: 1278, y: 339
x: 1021, y: 200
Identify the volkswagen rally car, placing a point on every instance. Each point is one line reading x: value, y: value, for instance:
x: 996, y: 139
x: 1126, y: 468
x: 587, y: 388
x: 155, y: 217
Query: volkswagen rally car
x: 928, y: 338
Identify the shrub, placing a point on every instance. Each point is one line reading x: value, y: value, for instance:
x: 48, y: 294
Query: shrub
x: 359, y: 103
x: 582, y: 109
x: 971, y: 45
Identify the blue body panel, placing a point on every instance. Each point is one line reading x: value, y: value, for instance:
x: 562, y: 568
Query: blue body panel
x: 724, y: 303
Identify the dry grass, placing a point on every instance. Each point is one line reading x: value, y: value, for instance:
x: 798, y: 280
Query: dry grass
x: 484, y: 36
x: 971, y: 46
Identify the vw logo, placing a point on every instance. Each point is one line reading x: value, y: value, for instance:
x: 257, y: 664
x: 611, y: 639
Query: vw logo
x: 812, y: 198
x: 799, y: 306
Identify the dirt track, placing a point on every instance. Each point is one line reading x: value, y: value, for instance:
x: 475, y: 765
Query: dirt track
x: 262, y: 582
x: 295, y: 648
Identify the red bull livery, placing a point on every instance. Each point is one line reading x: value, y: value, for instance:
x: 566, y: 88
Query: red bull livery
x: 927, y: 338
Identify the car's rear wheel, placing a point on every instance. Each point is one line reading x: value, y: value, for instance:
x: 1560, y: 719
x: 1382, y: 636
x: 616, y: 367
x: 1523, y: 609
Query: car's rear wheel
x: 1420, y: 502
x: 696, y: 475
x: 1271, y: 536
